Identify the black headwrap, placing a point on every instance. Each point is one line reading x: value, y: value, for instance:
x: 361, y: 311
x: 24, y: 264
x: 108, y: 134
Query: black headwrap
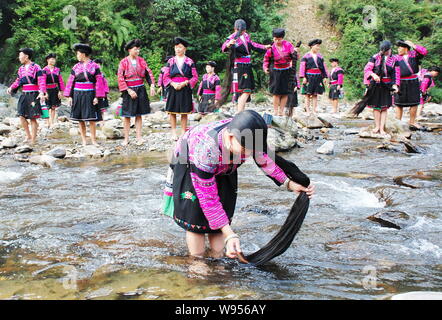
x: 83, y: 48
x: 314, y: 41
x: 51, y: 55
x: 385, y: 46
x: 211, y: 63
x: 179, y: 40
x: 132, y: 44
x: 403, y: 44
x: 278, y: 33
x: 334, y: 60
x: 240, y: 25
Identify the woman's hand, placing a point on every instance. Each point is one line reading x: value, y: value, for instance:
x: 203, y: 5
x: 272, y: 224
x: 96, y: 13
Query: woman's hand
x: 60, y: 95
x: 231, y: 43
x: 95, y: 102
x: 9, y: 91
x: 266, y: 71
x: 375, y: 77
x: 69, y: 101
x: 395, y: 88
x: 295, y: 187
x: 304, y: 81
x: 232, y: 244
x: 152, y: 90
x: 233, y: 247
x: 132, y: 93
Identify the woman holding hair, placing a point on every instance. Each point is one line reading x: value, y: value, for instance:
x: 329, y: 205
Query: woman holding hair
x: 202, y: 188
x: 32, y: 81
x: 83, y: 89
x: 132, y: 72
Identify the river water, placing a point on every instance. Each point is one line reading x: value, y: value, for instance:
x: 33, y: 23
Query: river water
x: 94, y: 229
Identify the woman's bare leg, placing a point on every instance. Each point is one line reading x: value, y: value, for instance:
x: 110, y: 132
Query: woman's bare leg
x: 25, y: 125
x: 93, y: 130
x: 242, y: 101
x: 377, y: 121
x: 126, y: 126
x: 383, y: 121
x: 183, y: 123
x: 34, y: 130
x: 282, y: 103
x: 216, y: 241
x: 82, y: 125
x: 196, y: 243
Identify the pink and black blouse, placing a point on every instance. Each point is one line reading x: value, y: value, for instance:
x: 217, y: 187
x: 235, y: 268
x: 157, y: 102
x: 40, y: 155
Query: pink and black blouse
x: 133, y: 76
x: 85, y: 77
x: 389, y: 74
x: 30, y: 79
x: 427, y: 82
x: 210, y: 85
x: 175, y: 73
x: 243, y: 47
x: 282, y: 58
x: 337, y: 76
x: 408, y: 65
x: 53, y: 78
x: 205, y: 152
x: 311, y: 65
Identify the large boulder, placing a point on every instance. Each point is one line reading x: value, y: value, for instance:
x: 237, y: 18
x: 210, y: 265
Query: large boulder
x: 281, y: 140
x: 111, y: 132
x: 286, y: 124
x: 23, y: 149
x: 57, y: 152
x: 309, y: 121
x: 44, y: 160
x: 92, y: 151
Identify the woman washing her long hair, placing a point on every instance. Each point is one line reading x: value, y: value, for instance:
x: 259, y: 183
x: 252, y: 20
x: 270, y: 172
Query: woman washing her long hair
x: 202, y: 184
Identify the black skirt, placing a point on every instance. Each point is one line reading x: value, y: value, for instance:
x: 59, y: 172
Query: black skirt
x: 187, y: 211
x: 29, y: 106
x: 244, y: 74
x: 135, y: 107
x: 409, y: 94
x: 279, y: 82
x: 381, y: 98
x: 334, y: 93
x: 83, y: 108
x: 53, y: 99
x: 207, y: 103
x: 179, y: 101
x: 314, y: 84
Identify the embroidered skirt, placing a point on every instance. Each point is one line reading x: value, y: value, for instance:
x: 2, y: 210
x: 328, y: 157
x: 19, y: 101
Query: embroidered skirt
x: 181, y: 202
x: 334, y: 93
x: 53, y: 99
x: 381, y: 98
x: 83, y: 108
x: 29, y: 106
x: 314, y: 85
x: 409, y: 94
x: 279, y: 82
x: 207, y: 104
x: 135, y: 107
x: 179, y: 102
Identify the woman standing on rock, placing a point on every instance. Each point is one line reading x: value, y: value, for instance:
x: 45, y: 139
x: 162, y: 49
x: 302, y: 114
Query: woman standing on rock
x: 202, y: 182
x: 278, y: 61
x: 181, y: 75
x: 312, y: 72
x: 381, y: 78
x: 32, y: 81
x: 408, y: 60
x: 240, y: 45
x: 336, y: 84
x: 83, y: 89
x: 54, y: 85
x: 132, y: 72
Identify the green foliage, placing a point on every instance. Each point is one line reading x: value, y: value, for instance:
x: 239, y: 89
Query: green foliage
x: 108, y: 24
x: 418, y: 21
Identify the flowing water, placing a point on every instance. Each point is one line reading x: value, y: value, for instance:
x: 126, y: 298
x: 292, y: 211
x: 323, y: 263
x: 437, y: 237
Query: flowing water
x: 94, y: 229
